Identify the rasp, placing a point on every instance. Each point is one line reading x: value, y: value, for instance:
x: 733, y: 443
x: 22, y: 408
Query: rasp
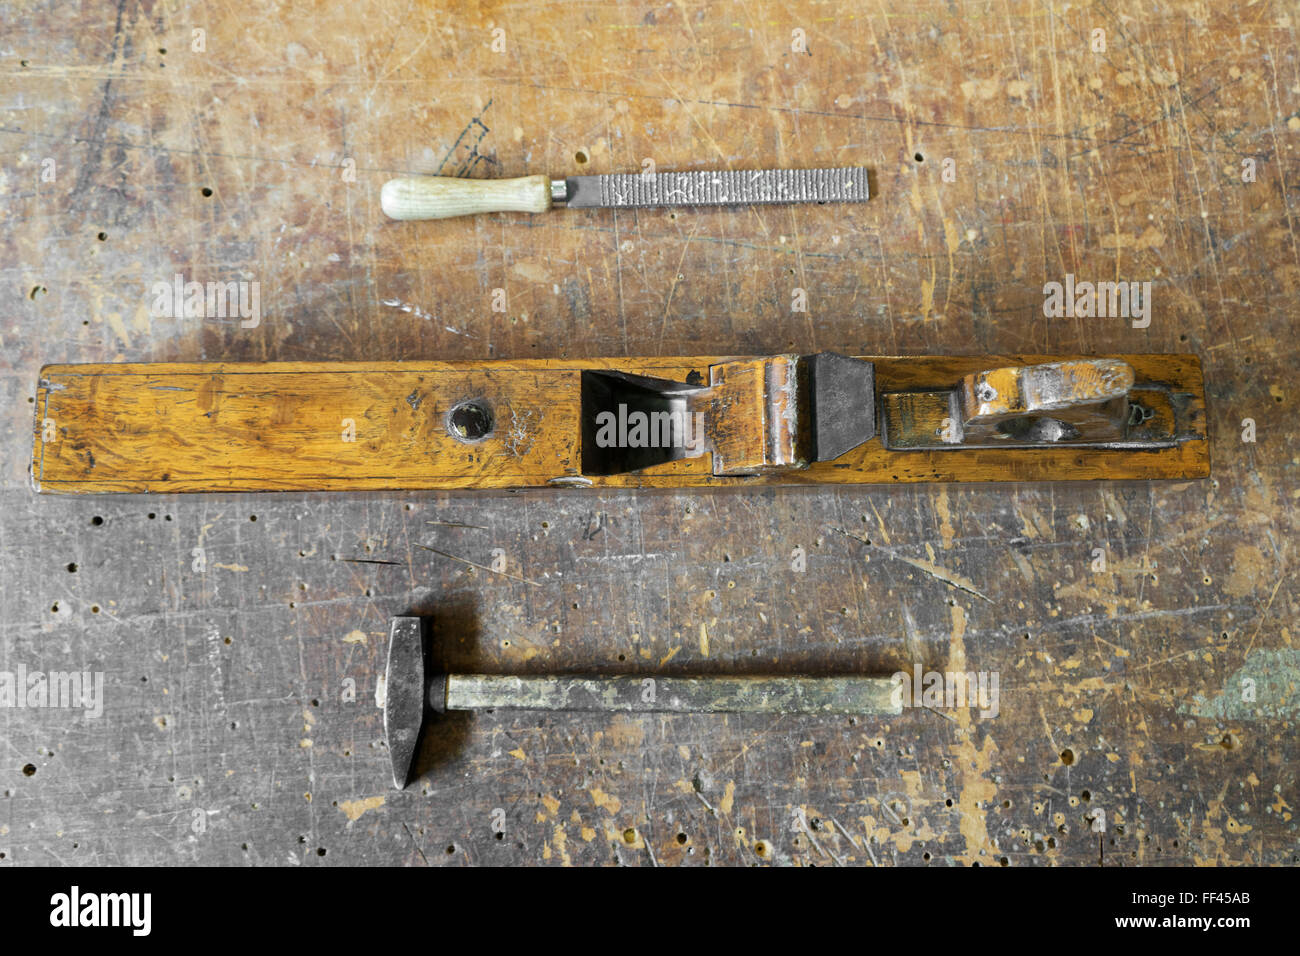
x: 441, y: 197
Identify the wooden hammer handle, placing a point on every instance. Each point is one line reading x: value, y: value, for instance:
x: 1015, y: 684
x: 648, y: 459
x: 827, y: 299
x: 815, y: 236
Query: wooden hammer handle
x: 441, y: 197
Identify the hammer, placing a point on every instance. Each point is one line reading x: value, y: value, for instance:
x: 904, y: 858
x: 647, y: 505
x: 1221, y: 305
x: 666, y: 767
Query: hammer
x: 411, y: 694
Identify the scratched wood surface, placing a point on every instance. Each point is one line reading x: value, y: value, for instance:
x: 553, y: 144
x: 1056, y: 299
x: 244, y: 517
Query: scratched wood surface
x: 1142, y: 632
x: 277, y: 427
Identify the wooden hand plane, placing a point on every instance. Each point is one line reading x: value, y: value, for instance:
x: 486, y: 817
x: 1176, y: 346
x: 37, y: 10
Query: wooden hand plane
x: 624, y: 422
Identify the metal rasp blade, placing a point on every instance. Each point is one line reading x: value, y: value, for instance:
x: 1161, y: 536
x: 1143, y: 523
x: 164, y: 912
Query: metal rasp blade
x: 718, y: 188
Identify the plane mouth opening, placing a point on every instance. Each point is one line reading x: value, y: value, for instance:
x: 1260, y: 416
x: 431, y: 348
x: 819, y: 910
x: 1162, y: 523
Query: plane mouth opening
x: 630, y: 422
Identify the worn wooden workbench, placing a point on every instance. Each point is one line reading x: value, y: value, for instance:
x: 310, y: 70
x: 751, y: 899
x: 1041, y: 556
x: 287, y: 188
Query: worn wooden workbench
x: 241, y: 637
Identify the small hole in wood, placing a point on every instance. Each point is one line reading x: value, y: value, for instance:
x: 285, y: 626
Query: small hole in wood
x: 470, y: 421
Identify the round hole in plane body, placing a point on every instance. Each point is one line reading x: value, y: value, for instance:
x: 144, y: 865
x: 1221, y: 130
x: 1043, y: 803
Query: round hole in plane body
x: 470, y: 421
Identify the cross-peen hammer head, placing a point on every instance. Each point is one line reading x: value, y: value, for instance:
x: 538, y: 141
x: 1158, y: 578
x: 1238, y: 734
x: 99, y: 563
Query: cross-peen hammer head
x: 409, y: 690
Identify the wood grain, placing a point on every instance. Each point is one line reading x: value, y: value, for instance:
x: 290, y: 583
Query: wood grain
x: 751, y: 417
x: 444, y: 197
x: 339, y: 426
x: 261, y: 158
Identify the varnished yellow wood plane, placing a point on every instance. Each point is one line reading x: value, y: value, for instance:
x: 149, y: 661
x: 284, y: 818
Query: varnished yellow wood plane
x: 621, y: 422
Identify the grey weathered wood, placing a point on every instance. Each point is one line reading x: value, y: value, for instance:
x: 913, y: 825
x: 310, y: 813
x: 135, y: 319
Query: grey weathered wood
x: 1122, y: 689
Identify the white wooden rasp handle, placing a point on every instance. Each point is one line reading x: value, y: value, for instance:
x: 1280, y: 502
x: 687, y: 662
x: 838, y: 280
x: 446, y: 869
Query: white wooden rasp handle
x: 441, y: 197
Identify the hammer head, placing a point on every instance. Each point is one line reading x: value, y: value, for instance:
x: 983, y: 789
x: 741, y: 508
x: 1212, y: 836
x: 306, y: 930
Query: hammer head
x: 407, y: 695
